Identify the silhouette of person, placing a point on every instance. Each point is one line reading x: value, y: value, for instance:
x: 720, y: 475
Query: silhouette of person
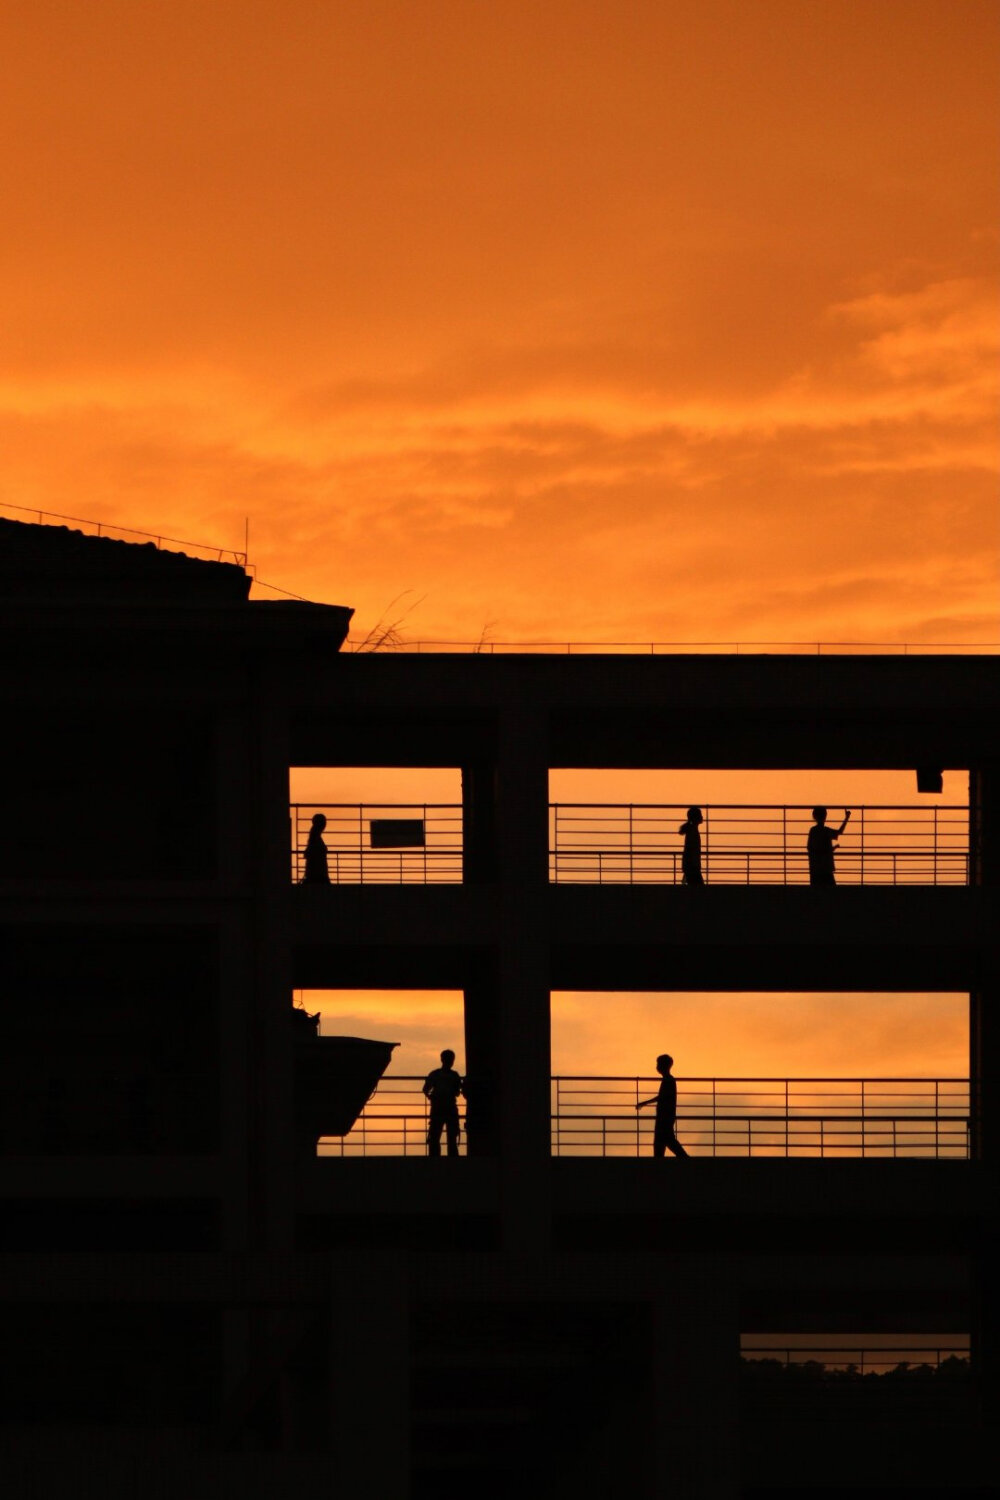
x: 317, y: 868
x: 691, y: 858
x: 820, y: 846
x: 665, y: 1129
x: 442, y: 1087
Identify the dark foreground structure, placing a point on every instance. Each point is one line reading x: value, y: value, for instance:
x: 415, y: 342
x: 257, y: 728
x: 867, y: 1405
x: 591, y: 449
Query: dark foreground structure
x: 193, y: 1302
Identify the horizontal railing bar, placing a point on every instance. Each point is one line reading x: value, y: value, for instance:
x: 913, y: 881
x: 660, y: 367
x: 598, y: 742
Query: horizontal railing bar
x: 888, y: 648
x: 639, y: 843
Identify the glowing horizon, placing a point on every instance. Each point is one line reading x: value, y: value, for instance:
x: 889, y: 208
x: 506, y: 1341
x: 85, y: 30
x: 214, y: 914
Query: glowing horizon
x: 572, y: 322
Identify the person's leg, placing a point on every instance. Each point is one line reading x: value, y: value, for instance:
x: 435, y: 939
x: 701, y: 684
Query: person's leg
x: 672, y: 1143
x: 659, y: 1139
x: 451, y: 1133
x: 434, y: 1135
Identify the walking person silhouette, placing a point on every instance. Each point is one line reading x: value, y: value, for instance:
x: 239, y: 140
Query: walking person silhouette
x: 442, y: 1086
x: 820, y: 847
x: 665, y: 1129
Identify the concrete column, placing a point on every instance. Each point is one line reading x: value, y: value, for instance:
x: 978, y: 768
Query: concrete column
x: 522, y: 977
x: 984, y: 823
x: 984, y: 1038
x: 479, y: 843
x: 370, y: 1420
x: 482, y: 1054
x: 696, y: 1383
x: 271, y: 1104
x: 508, y: 1051
x: 984, y: 1017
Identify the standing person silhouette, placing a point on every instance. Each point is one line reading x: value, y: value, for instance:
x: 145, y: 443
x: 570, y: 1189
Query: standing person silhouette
x: 442, y: 1087
x: 665, y: 1129
x: 820, y: 847
x: 691, y: 858
x: 317, y: 866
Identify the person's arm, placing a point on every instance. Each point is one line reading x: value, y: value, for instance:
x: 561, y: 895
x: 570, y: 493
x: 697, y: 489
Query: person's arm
x: 644, y: 1102
x: 428, y: 1086
x: 847, y: 819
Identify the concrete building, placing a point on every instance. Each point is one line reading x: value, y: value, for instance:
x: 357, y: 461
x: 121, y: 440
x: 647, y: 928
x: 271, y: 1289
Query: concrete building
x: 195, y: 1303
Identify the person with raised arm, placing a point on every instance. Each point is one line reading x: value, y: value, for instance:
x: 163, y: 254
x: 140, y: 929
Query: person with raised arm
x: 820, y: 847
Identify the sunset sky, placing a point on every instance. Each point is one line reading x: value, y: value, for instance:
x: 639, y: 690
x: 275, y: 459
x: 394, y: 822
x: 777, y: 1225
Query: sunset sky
x: 581, y: 320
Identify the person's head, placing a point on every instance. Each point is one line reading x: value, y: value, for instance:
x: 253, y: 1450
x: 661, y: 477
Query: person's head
x: 694, y: 815
x: 819, y: 814
x: 319, y: 822
x: 448, y: 1058
x: 664, y: 1062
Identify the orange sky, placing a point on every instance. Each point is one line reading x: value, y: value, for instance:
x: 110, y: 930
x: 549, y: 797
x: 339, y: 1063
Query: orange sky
x: 579, y: 320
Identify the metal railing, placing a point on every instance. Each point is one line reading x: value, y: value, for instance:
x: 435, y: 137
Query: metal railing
x: 696, y: 648
x: 824, y: 1117
x: 843, y: 1378
x: 353, y: 858
x: 393, y: 1123
x: 866, y: 1356
x: 640, y: 844
x: 113, y: 532
x: 861, y: 1118
x: 872, y: 1118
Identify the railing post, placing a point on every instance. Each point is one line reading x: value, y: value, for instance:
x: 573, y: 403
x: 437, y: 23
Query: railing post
x: 786, y: 1121
x: 784, y: 863
x: 935, y: 812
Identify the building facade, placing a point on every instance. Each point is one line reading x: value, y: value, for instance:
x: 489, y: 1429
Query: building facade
x: 196, y: 1302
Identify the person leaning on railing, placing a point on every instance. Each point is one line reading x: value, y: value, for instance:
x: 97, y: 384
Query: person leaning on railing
x: 442, y: 1087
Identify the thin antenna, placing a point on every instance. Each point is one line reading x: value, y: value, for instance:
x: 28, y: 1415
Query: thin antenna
x: 246, y: 539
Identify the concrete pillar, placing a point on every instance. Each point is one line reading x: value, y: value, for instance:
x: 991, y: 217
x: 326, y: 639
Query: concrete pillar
x: 370, y: 1420
x: 508, y: 1048
x: 984, y: 1038
x: 479, y: 845
x: 696, y: 1383
x: 482, y: 1063
x: 522, y: 977
x: 984, y: 824
x: 271, y: 1104
x: 984, y: 1017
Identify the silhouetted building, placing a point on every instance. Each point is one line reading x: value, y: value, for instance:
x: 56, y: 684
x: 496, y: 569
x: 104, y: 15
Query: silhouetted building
x: 195, y: 1303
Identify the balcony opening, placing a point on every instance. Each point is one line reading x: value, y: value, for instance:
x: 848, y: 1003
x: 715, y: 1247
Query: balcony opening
x: 423, y: 1023
x: 395, y: 825
x: 854, y: 1376
x: 629, y: 827
x: 872, y: 1077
